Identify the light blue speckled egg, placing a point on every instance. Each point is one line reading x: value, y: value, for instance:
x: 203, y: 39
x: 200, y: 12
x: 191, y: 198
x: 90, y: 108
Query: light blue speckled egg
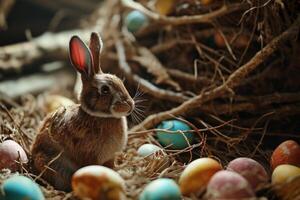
x: 148, y: 149
x: 161, y: 189
x: 135, y: 20
x: 177, y: 139
x: 19, y: 188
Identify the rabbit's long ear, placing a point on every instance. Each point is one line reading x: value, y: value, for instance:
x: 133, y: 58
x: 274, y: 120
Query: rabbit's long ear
x: 80, y: 56
x: 96, y: 47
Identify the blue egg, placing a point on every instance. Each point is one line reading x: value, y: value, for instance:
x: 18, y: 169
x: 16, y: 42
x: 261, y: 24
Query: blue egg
x: 175, y: 140
x: 161, y: 189
x: 20, y: 188
x: 135, y: 20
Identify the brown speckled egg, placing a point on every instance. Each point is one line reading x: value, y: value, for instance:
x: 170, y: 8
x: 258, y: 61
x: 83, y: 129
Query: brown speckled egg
x: 251, y: 170
x: 228, y: 185
x: 10, y: 153
x: 96, y: 182
x: 196, y: 175
x: 287, y: 152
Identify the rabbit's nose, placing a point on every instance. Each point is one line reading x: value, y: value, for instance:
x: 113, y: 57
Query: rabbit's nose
x: 130, y: 102
x: 126, y: 106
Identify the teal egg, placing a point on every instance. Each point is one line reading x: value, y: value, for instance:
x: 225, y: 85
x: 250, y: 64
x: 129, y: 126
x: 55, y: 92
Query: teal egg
x: 135, y: 20
x: 161, y: 189
x: 20, y: 188
x: 175, y: 140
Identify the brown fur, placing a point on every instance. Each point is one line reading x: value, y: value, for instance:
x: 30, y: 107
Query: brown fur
x: 82, y: 139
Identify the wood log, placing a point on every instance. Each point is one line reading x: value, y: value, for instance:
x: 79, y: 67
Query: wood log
x: 39, y: 82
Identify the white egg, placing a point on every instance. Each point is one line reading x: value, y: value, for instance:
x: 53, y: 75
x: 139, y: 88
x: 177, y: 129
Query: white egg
x: 155, y: 158
x: 148, y: 149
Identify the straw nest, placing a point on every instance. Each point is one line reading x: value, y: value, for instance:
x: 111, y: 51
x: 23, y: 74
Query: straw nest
x: 230, y: 69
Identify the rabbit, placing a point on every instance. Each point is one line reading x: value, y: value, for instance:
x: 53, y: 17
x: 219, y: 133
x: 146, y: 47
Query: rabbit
x: 87, y: 133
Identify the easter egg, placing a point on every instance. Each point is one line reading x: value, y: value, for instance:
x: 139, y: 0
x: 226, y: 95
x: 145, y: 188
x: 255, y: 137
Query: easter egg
x: 161, y: 189
x: 240, y: 42
x: 176, y: 139
x: 20, y: 188
x: 148, y: 149
x: 206, y: 2
x: 156, y: 159
x: 287, y: 152
x: 251, y: 170
x: 53, y: 102
x: 10, y: 153
x: 197, y: 174
x: 219, y: 40
x: 164, y: 7
x: 135, y: 20
x: 228, y: 185
x: 283, y: 173
x: 97, y: 182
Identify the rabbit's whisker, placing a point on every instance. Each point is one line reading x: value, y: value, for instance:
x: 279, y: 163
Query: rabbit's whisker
x: 135, y: 118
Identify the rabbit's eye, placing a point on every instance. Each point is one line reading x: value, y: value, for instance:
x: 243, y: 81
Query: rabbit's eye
x: 105, y: 89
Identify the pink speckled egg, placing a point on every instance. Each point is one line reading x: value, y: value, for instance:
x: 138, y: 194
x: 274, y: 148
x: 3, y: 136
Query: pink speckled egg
x: 228, y: 185
x: 251, y: 170
x: 10, y: 153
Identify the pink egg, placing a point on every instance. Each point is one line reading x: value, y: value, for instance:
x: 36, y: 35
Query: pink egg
x: 228, y: 185
x: 251, y: 170
x: 10, y: 153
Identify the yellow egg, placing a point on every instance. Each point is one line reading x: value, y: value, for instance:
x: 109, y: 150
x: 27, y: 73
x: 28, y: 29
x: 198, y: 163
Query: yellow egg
x: 284, y: 173
x: 197, y: 174
x: 96, y: 182
x: 164, y: 7
x: 53, y: 102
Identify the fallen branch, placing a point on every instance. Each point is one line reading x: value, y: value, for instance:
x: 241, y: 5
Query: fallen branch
x: 233, y: 81
x: 251, y: 104
x: 49, y: 46
x: 169, y: 20
x: 145, y: 85
x: 36, y: 83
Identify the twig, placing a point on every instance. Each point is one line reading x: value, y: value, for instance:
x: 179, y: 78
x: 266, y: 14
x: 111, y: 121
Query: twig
x: 5, y: 7
x: 251, y: 103
x: 188, y: 77
x: 21, y: 131
x: 47, y: 167
x: 233, y: 81
x: 154, y: 66
x: 169, y: 20
x: 49, y: 46
x: 145, y: 85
